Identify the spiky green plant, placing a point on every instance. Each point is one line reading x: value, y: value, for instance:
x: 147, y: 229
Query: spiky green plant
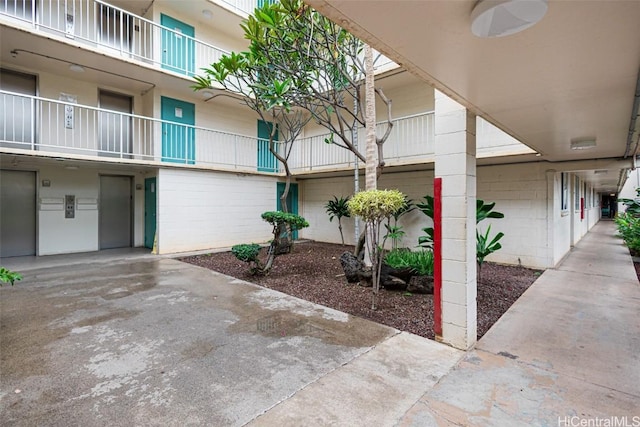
x: 338, y: 208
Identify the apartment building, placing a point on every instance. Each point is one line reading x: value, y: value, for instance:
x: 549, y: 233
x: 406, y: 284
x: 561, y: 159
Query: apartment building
x: 104, y: 144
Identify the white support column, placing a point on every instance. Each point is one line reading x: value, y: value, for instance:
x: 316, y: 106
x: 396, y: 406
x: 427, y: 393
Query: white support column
x: 455, y: 163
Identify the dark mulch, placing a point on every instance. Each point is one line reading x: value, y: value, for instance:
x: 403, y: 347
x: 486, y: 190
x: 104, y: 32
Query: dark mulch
x: 313, y: 272
x: 637, y: 266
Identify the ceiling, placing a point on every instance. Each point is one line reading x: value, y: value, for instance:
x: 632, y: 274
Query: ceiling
x: 573, y: 75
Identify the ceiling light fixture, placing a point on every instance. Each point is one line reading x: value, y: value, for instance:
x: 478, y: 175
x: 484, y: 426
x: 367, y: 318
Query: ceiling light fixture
x: 207, y: 94
x: 207, y: 14
x: 583, y: 144
x: 76, y: 68
x: 499, y: 18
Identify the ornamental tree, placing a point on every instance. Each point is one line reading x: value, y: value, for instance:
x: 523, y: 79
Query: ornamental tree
x: 281, y: 222
x: 375, y: 207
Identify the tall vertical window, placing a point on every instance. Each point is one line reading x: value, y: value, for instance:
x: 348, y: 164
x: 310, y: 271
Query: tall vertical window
x: 564, y: 191
x: 576, y: 193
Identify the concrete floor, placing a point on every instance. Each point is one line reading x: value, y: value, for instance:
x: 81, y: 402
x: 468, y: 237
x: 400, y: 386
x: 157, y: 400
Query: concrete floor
x: 567, y: 352
x: 124, y: 338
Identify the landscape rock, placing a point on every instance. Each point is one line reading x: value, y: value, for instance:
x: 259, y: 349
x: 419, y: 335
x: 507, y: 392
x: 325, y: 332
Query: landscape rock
x: 393, y: 283
x: 351, y: 266
x: 420, y: 285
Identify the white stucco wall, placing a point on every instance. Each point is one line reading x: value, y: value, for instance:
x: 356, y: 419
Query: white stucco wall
x: 203, y: 210
x: 57, y: 234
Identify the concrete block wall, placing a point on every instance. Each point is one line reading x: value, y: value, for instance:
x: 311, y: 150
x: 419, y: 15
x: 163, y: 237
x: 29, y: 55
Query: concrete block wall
x: 315, y: 193
x: 521, y: 194
x: 208, y: 209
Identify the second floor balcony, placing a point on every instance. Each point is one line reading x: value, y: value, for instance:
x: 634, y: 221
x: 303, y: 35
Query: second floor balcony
x: 169, y: 44
x: 41, y: 126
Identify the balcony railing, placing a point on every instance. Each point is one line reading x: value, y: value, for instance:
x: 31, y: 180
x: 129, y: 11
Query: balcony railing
x: 58, y: 127
x: 411, y: 139
x: 116, y: 31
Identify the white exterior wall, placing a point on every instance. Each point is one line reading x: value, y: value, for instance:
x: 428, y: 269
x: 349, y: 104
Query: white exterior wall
x: 57, y: 234
x: 315, y: 193
x: 629, y: 189
x: 520, y: 192
x: 537, y: 233
x: 203, y: 210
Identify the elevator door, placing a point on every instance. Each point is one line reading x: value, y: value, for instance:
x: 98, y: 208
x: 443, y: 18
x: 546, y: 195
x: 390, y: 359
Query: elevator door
x: 115, y: 212
x: 17, y: 213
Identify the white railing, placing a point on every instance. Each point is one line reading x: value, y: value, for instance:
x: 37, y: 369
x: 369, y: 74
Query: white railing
x: 241, y: 7
x: 58, y: 127
x: 116, y: 31
x: 411, y: 140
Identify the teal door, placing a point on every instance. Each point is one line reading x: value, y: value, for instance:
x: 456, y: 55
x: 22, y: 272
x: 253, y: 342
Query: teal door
x: 267, y: 162
x: 292, y: 200
x: 149, y: 212
x: 178, y: 46
x: 178, y: 140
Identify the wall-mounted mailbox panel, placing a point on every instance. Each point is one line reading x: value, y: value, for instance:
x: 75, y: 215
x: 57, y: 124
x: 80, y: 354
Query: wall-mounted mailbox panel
x: 69, y: 206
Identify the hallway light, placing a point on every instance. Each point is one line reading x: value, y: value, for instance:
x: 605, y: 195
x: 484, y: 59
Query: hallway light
x: 499, y: 18
x: 583, y: 144
x: 76, y: 68
x: 207, y: 14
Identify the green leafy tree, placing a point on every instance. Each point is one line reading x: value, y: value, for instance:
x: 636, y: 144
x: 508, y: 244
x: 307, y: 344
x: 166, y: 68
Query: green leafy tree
x: 338, y: 208
x: 299, y: 60
x: 375, y: 207
x: 633, y: 205
x: 264, y: 91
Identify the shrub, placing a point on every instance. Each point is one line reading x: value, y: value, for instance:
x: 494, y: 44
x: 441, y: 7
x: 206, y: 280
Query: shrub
x: 629, y: 229
x: 246, y: 252
x: 8, y: 276
x: 374, y: 207
x: 421, y: 262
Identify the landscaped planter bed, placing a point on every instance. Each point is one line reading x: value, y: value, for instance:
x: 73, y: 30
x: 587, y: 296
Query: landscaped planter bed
x: 313, y: 272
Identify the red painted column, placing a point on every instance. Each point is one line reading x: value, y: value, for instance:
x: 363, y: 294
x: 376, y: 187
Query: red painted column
x: 437, y: 256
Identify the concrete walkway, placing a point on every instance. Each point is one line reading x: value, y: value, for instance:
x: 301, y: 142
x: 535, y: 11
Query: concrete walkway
x: 129, y: 339
x: 566, y: 353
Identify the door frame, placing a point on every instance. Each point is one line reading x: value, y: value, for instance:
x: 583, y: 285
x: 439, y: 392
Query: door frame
x: 190, y: 60
x: 154, y: 180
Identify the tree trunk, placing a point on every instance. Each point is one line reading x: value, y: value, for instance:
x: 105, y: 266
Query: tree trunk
x: 370, y: 121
